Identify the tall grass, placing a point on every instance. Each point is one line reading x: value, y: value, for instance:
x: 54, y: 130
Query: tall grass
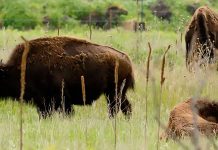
x: 57, y: 133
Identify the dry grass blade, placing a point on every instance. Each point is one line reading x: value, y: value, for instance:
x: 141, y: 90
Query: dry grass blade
x: 22, y: 86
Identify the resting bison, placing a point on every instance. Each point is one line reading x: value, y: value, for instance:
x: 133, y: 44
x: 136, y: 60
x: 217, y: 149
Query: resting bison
x: 181, y: 119
x: 53, y: 60
x: 201, y: 37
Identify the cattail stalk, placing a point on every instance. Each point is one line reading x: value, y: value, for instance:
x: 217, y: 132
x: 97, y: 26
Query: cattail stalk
x: 146, y: 90
x: 147, y: 79
x: 116, y: 97
x: 84, y: 101
x: 162, y: 79
x: 22, y: 86
x: 83, y: 90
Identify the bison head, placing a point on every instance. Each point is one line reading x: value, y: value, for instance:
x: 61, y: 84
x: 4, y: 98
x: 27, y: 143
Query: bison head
x: 201, y: 37
x: 9, y: 82
x: 114, y: 12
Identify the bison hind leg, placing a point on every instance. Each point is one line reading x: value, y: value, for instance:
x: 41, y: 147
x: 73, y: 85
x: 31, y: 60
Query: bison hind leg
x: 43, y: 113
x: 126, y: 107
x: 114, y: 105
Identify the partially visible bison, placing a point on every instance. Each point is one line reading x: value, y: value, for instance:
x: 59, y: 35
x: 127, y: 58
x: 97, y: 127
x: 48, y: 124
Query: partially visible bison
x: 201, y: 37
x: 161, y: 10
x: 133, y: 25
x: 191, y: 8
x: 107, y: 20
x: 52, y: 61
x: 181, y: 120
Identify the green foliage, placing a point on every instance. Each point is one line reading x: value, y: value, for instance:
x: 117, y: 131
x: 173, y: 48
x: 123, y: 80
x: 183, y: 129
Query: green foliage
x: 24, y: 14
x: 18, y: 15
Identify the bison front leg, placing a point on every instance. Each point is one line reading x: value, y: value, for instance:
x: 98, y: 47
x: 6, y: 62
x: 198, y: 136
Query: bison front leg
x: 43, y: 112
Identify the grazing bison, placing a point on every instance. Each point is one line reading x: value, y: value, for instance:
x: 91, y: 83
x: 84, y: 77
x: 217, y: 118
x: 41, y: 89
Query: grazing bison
x: 181, y: 119
x: 191, y: 8
x: 161, y: 10
x: 105, y: 20
x: 54, y: 60
x: 201, y: 37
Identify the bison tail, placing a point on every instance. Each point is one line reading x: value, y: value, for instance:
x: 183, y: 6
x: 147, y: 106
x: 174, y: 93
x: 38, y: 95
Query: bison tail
x: 130, y: 81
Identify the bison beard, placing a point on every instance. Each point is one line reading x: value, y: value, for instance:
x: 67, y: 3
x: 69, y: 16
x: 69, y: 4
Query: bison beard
x: 53, y: 60
x: 201, y: 42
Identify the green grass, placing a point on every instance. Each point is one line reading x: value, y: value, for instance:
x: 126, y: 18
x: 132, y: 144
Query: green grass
x: 57, y: 132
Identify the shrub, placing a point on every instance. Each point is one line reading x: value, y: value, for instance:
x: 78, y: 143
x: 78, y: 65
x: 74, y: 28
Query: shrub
x: 17, y: 15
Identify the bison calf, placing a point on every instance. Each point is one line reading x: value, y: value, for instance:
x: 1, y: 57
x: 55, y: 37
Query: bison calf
x: 52, y: 61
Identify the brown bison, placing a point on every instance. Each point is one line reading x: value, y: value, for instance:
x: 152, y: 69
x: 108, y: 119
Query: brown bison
x: 161, y: 10
x: 201, y: 37
x: 105, y: 20
x: 53, y: 60
x: 181, y: 119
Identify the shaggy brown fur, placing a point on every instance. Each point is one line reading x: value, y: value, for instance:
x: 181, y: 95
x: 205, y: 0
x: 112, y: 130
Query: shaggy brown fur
x: 201, y: 36
x: 181, y: 119
x: 52, y: 60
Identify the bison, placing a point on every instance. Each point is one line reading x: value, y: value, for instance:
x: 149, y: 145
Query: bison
x: 161, y: 10
x: 201, y: 37
x: 54, y: 60
x: 181, y: 119
x: 105, y: 20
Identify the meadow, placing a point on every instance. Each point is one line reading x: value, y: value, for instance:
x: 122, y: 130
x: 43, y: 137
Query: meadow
x: 90, y: 128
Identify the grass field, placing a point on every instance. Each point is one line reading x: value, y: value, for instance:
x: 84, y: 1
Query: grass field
x: 90, y: 128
